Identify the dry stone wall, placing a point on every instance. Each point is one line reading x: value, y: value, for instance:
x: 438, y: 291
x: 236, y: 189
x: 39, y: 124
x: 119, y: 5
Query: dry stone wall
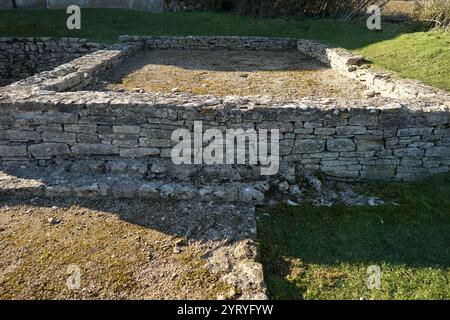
x: 209, y: 43
x: 43, y: 122
x: 358, y: 68
x: 23, y: 57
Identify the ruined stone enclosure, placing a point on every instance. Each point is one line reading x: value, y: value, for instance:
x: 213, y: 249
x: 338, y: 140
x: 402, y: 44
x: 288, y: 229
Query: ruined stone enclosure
x: 101, y: 125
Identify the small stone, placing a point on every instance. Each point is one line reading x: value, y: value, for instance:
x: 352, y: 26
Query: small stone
x: 249, y: 194
x: 54, y: 221
x: 295, y: 190
x: 181, y: 243
x: 245, y: 250
x: 369, y: 93
x: 175, y: 90
x: 315, y: 183
x: 232, y: 294
x: 118, y: 166
x: 283, y: 186
x: 341, y: 144
x: 176, y: 250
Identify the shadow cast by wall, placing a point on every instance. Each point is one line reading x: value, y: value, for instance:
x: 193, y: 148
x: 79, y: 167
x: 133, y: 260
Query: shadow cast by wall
x: 195, y: 221
x: 413, y: 233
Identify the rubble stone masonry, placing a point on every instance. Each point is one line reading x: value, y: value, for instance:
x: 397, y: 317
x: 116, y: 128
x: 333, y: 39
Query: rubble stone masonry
x: 52, y: 116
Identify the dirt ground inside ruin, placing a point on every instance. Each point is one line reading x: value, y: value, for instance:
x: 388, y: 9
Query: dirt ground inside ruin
x: 125, y: 249
x: 286, y: 75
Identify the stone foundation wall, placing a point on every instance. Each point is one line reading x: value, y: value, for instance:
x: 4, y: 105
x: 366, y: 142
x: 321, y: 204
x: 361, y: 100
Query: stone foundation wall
x: 343, y: 61
x: 215, y: 42
x: 23, y: 57
x: 379, y: 138
x: 352, y: 142
x: 358, y: 68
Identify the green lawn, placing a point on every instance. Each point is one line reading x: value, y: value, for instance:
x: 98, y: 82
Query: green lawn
x: 424, y: 56
x: 328, y: 250
x: 421, y: 55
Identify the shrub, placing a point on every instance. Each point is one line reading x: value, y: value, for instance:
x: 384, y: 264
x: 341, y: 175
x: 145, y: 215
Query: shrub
x: 434, y: 13
x: 299, y: 8
x: 305, y: 8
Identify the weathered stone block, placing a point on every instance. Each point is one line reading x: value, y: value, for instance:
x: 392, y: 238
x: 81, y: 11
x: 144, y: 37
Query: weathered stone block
x: 325, y: 131
x: 282, y: 126
x: 22, y: 135
x: 118, y: 166
x: 57, y: 191
x: 309, y: 146
x: 46, y: 150
x: 378, y: 172
x: 66, y: 137
x: 35, y: 118
x: 126, y: 143
x: 155, y: 143
x: 149, y: 190
x: 13, y: 151
x: 339, y: 172
x: 138, y: 152
x: 350, y: 130
x: 92, y: 191
x: 81, y: 128
x: 61, y: 117
x: 127, y: 129
x: 124, y: 190
x: 369, y: 145
x: 87, y: 138
x: 410, y: 153
x: 251, y: 195
x: 442, y: 152
x: 177, y: 192
x: 341, y: 144
x: 414, y: 132
x: 363, y: 118
x: 94, y: 149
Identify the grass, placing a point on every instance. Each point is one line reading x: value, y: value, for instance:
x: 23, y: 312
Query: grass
x: 419, y: 55
x: 328, y: 250
x: 105, y: 25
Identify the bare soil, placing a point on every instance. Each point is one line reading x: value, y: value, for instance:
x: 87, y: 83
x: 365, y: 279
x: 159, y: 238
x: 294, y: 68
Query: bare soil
x: 287, y: 75
x: 124, y: 249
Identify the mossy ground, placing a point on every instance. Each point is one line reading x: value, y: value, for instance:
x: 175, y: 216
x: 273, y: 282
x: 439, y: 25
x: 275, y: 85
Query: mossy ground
x: 117, y: 259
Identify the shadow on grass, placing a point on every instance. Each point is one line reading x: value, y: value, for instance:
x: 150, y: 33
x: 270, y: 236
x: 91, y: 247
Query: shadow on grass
x: 105, y: 25
x: 413, y: 234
